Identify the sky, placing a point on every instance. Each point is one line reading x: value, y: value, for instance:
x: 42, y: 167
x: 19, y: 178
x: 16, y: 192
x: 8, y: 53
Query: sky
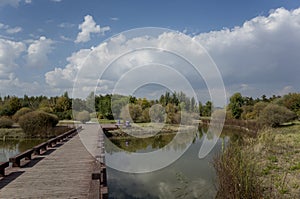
x: 48, y: 47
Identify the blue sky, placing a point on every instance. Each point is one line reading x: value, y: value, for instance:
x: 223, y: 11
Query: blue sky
x: 39, y: 37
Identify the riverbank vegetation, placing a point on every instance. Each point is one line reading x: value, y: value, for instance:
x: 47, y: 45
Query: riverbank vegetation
x: 266, y: 165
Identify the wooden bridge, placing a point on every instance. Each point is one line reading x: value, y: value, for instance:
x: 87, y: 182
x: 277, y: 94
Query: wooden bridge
x: 71, y: 165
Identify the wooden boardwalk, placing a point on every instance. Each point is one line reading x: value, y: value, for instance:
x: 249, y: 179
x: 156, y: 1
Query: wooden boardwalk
x: 65, y: 172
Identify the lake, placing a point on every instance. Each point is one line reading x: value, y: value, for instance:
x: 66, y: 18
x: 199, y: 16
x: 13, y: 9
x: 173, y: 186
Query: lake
x: 10, y: 148
x: 188, y: 177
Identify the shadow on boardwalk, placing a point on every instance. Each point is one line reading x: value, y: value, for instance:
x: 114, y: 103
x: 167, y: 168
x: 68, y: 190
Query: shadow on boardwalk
x: 14, y: 173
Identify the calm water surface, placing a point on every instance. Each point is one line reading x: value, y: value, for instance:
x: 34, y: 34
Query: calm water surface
x: 9, y: 148
x: 188, y: 177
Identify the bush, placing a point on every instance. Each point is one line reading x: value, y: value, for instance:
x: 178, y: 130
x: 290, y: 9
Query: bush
x: 83, y: 116
x: 38, y: 123
x: 274, y: 115
x: 20, y: 113
x: 6, y: 122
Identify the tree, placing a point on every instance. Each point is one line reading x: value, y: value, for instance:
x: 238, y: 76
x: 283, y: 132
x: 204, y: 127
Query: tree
x: 135, y: 111
x: 90, y: 102
x: 201, y: 109
x: 173, y: 117
x: 274, y: 115
x: 83, y: 116
x: 104, y: 106
x: 145, y: 115
x: 157, y: 113
x: 11, y: 105
x: 235, y: 105
x: 207, y: 109
x: 193, y: 104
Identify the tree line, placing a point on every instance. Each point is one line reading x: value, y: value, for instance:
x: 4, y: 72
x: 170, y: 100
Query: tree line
x: 109, y: 106
x: 168, y: 108
x: 271, y: 111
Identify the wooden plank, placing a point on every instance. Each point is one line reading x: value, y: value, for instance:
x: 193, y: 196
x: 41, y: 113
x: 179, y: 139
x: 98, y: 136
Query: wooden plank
x: 65, y: 173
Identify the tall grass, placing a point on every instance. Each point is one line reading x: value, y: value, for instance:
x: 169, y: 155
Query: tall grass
x: 236, y: 174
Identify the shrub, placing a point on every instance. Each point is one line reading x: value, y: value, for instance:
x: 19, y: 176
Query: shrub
x: 38, y: 123
x: 20, y: 113
x: 83, y: 116
x: 6, y: 122
x: 274, y: 115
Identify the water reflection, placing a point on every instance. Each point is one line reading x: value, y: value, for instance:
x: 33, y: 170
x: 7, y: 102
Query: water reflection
x: 9, y: 148
x: 188, y: 177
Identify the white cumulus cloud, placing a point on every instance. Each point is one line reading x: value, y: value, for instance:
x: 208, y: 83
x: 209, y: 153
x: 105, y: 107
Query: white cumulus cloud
x: 37, y: 52
x: 9, y: 52
x: 259, y: 57
x: 262, y: 53
x: 87, y: 27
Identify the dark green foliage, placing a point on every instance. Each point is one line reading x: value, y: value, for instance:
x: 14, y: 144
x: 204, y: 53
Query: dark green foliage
x: 235, y: 105
x: 6, y: 122
x: 274, y: 115
x: 38, y: 123
x: 10, y: 106
x: 207, y: 109
x: 104, y: 106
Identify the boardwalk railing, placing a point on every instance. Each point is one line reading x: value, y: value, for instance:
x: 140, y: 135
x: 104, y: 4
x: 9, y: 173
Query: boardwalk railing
x: 43, y: 147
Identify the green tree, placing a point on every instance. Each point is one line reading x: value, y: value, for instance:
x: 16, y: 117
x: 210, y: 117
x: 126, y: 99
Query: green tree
x: 11, y: 105
x: 207, y: 109
x: 235, y: 105
x: 200, y: 108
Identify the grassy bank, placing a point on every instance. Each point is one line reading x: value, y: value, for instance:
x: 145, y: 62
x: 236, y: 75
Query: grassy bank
x: 277, y: 154
x: 267, y: 166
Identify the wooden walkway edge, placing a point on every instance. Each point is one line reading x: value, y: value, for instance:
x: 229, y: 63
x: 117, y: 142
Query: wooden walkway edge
x: 64, y: 172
